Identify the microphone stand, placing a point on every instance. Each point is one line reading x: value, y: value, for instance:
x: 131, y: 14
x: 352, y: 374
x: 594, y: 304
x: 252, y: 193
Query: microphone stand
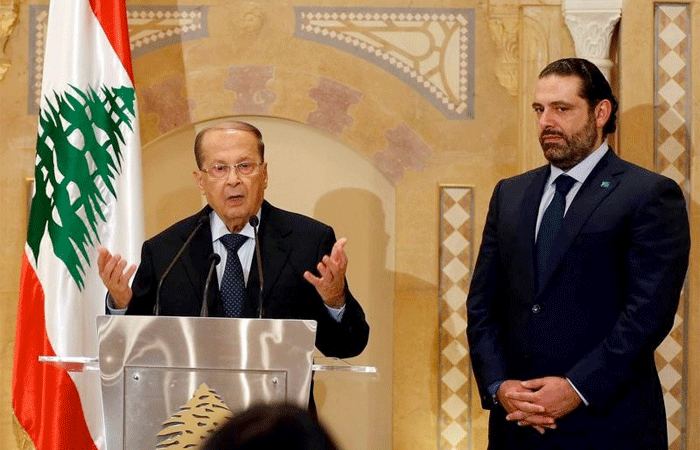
x: 202, y: 220
x: 254, y: 223
x: 214, y: 260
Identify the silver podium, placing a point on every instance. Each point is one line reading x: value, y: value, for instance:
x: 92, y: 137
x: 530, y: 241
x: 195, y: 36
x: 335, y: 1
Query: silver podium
x: 151, y: 366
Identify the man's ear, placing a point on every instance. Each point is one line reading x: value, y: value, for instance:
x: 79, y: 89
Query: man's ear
x: 602, y: 113
x: 264, y: 170
x: 199, y: 180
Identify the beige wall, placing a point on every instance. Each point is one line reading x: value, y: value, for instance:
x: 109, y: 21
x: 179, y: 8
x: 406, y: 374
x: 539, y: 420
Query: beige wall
x: 342, y: 122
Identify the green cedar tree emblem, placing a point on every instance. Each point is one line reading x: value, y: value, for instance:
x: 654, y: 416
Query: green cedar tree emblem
x: 78, y: 149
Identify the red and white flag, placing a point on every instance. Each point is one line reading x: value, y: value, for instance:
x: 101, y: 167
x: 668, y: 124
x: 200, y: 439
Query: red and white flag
x: 88, y: 193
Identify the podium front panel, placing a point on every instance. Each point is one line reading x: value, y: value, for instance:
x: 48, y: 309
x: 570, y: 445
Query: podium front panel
x: 151, y: 394
x: 151, y: 367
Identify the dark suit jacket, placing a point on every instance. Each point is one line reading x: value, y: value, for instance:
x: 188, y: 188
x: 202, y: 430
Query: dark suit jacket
x: 612, y: 290
x: 289, y: 243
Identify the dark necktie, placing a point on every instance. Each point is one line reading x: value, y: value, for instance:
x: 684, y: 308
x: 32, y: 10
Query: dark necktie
x: 232, y: 283
x: 551, y: 223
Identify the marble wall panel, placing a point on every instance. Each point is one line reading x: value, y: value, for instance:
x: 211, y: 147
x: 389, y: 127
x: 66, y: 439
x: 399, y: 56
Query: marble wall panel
x: 456, y: 262
x: 672, y: 152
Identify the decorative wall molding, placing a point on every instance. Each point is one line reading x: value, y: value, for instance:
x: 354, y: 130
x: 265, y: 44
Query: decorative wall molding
x: 591, y: 24
x: 252, y: 18
x: 166, y: 100
x: 431, y: 49
x: 154, y: 27
x: 250, y: 83
x: 8, y: 19
x: 150, y: 28
x: 505, y: 32
x: 333, y: 101
x: 405, y: 150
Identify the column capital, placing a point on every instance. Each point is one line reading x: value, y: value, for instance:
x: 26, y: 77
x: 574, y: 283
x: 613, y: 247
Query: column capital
x: 591, y: 24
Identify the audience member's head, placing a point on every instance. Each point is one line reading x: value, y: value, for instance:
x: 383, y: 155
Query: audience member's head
x: 265, y: 427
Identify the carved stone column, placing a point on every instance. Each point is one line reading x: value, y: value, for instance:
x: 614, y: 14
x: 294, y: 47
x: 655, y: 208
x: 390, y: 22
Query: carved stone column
x: 8, y: 19
x: 591, y: 23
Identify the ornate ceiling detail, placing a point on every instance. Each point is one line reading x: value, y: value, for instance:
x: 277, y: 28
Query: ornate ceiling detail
x: 431, y: 49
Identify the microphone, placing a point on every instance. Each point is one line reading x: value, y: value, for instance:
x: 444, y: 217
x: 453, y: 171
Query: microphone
x: 214, y: 259
x: 202, y: 220
x: 253, y: 221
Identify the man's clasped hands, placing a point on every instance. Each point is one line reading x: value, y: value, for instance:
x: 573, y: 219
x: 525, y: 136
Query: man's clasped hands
x: 538, y: 402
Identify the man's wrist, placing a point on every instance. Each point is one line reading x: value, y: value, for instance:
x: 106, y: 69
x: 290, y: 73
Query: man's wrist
x: 493, y: 391
x: 336, y: 302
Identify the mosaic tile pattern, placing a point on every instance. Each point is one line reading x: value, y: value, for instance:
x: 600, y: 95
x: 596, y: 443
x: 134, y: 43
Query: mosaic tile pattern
x: 455, y: 390
x: 431, y: 49
x: 672, y: 158
x: 38, y: 18
x: 150, y: 28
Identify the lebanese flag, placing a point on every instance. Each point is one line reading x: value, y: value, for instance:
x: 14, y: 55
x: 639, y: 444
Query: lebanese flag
x: 88, y: 193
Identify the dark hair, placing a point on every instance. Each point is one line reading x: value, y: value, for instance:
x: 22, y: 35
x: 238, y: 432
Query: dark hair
x: 227, y: 126
x: 594, y: 86
x: 263, y: 427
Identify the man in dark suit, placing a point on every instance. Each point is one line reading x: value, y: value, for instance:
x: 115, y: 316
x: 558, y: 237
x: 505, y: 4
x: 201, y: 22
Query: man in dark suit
x: 564, y: 314
x: 302, y: 264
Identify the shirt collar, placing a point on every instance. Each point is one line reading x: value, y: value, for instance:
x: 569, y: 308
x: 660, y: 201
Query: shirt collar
x: 581, y: 170
x: 218, y: 227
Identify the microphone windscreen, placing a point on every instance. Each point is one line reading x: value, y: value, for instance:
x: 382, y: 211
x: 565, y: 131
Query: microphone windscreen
x: 253, y: 221
x: 214, y: 258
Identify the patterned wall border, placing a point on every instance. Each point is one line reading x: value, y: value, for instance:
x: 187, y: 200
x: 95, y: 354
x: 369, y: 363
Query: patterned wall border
x: 430, y: 49
x: 672, y: 76
x: 150, y: 28
x: 456, y: 235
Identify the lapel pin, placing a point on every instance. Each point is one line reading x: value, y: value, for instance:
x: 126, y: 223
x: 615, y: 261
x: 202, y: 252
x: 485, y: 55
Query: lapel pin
x: 605, y: 184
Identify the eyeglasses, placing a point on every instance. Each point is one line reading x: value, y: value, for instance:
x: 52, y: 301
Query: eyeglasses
x: 244, y: 169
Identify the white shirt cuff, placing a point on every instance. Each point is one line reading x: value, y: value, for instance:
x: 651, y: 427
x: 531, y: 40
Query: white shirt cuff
x: 583, y: 399
x: 336, y: 313
x: 112, y: 310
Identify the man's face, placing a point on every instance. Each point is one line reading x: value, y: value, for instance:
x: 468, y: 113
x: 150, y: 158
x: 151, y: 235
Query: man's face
x: 569, y: 130
x: 235, y: 198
